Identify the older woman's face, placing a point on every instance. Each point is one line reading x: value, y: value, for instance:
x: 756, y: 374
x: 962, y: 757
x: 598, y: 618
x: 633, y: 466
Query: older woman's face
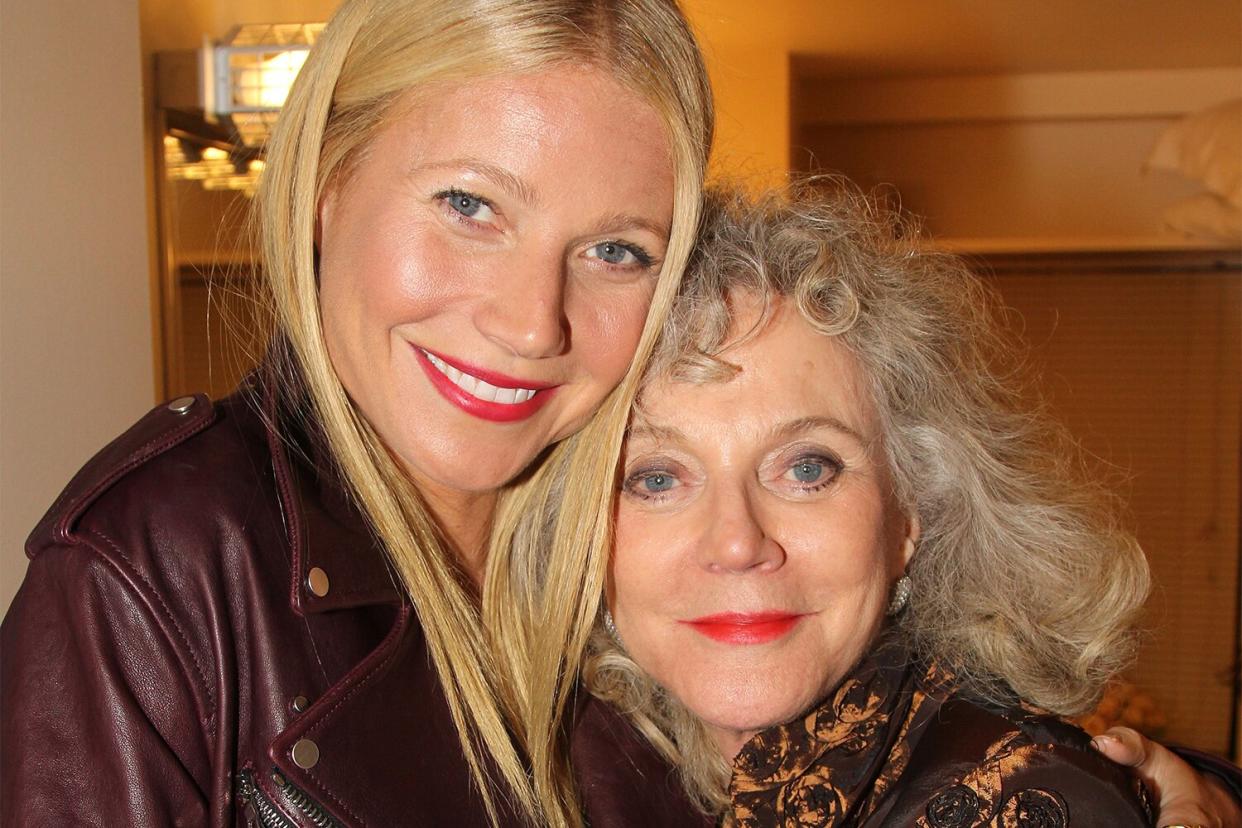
x: 487, y: 264
x: 756, y: 537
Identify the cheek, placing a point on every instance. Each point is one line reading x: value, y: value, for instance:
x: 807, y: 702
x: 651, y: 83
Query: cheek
x: 605, y: 327
x: 642, y: 570
x: 423, y: 270
x: 846, y: 573
x: 339, y: 309
x: 388, y: 277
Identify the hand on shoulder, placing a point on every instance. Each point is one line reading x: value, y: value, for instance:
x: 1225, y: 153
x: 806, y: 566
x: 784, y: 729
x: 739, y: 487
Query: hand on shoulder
x: 1185, y: 796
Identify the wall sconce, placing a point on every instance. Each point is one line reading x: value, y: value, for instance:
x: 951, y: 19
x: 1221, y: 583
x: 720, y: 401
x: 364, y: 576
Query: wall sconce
x: 247, y: 76
x: 226, y: 96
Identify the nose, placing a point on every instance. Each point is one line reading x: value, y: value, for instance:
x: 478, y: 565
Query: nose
x: 737, y: 540
x: 524, y: 309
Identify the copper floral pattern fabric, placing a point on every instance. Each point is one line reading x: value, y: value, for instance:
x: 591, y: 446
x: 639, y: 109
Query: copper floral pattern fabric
x: 895, y: 745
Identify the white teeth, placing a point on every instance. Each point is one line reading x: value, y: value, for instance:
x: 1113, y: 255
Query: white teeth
x: 476, y: 387
x: 485, y: 391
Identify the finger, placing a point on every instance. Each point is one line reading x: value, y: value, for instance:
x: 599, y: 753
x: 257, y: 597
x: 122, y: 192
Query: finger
x: 1122, y: 745
x: 1186, y: 816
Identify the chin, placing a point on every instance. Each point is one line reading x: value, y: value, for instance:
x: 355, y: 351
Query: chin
x: 751, y: 707
x: 482, y: 479
x: 474, y: 464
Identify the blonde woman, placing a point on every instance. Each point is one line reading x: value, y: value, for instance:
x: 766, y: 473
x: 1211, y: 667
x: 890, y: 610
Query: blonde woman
x: 857, y: 580
x: 298, y: 605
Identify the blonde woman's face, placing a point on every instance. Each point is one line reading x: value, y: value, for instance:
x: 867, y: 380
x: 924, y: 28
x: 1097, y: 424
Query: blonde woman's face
x: 486, y: 268
x: 756, y: 537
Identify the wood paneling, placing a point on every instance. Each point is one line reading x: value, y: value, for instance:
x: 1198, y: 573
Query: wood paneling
x: 1142, y: 357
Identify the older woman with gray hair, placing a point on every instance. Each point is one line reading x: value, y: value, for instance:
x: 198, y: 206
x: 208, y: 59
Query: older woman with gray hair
x: 858, y: 579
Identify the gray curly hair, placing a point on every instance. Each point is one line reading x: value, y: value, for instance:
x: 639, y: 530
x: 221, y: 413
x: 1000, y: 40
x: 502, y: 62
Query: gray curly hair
x: 1024, y: 581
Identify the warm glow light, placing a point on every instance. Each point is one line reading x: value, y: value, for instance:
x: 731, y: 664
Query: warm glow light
x: 264, y: 83
x: 214, y: 168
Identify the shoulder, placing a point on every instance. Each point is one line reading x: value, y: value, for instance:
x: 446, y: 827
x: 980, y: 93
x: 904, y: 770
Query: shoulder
x: 170, y: 475
x: 161, y: 535
x: 979, y: 764
x: 622, y: 779
x: 177, y: 514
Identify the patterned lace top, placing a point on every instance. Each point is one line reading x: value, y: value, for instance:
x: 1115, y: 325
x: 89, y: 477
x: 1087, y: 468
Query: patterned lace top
x: 895, y: 745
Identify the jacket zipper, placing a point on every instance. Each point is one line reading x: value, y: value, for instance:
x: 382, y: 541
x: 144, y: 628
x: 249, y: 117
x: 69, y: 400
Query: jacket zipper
x: 269, y: 815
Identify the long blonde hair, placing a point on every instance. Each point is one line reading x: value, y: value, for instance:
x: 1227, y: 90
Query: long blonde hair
x: 1024, y: 583
x: 501, y: 682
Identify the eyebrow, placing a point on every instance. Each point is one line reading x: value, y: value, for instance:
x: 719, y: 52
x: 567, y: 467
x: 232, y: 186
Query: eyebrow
x: 785, y: 431
x: 620, y: 222
x: 513, y: 186
x: 802, y: 425
x: 655, y: 433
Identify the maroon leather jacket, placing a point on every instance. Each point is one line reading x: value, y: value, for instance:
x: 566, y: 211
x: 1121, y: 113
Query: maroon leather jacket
x: 170, y: 660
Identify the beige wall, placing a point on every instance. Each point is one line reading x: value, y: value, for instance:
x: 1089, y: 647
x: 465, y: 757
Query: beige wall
x: 747, y: 56
x: 75, y: 345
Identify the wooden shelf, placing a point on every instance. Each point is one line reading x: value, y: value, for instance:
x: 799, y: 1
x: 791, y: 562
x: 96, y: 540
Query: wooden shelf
x: 1081, y: 244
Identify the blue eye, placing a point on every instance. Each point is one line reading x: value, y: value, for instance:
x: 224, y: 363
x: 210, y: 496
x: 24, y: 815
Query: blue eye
x: 812, y: 472
x: 464, y: 203
x: 651, y: 484
x: 616, y: 253
x: 807, y: 471
x: 467, y: 205
x: 657, y: 482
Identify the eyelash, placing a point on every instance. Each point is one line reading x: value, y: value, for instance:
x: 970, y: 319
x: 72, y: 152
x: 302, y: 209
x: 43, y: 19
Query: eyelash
x: 832, y: 465
x: 645, y: 259
x: 446, y: 197
x: 630, y: 485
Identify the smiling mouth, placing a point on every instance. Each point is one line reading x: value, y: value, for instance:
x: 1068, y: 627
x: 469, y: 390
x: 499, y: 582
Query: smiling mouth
x: 478, y: 388
x: 481, y: 393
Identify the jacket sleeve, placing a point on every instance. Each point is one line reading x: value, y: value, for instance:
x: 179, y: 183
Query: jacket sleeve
x: 1044, y: 785
x: 102, y: 720
x: 1210, y: 766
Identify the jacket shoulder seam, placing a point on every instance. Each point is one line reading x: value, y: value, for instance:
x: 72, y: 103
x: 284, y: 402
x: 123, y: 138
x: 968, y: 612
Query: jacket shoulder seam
x: 72, y: 502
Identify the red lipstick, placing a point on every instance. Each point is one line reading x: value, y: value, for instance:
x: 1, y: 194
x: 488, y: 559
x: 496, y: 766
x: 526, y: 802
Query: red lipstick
x: 745, y: 628
x: 496, y: 412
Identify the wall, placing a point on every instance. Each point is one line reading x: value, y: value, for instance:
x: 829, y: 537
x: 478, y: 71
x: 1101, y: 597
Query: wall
x: 179, y: 25
x: 74, y: 305
x: 1141, y: 356
x: 747, y: 56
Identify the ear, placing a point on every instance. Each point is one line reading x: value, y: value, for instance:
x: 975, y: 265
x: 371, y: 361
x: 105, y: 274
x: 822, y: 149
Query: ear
x: 913, y: 529
x: 324, y: 210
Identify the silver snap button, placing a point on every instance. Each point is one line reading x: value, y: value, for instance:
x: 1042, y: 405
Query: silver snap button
x: 317, y: 582
x: 181, y: 405
x: 305, y: 754
x: 299, y: 704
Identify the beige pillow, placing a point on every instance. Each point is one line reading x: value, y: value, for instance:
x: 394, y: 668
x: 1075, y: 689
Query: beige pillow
x: 1206, y: 216
x: 1205, y: 147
